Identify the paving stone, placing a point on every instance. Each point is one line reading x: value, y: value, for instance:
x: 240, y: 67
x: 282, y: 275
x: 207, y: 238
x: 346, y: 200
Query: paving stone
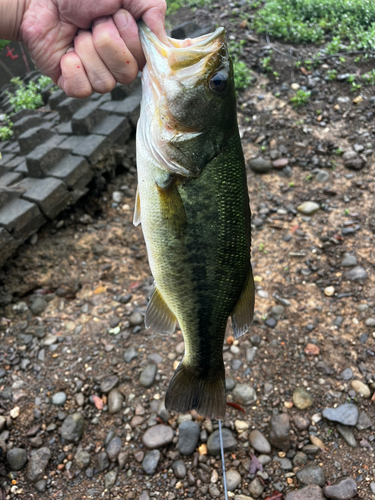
x: 33, y: 137
x: 68, y: 107
x: 74, y: 170
x: 21, y: 218
x: 50, y: 194
x: 22, y: 168
x: 129, y: 107
x: 64, y: 128
x: 116, y: 128
x: 8, y: 194
x: 27, y: 122
x: 85, y: 119
x: 7, y: 245
x: 71, y: 142
x: 93, y: 147
x: 15, y: 162
x: 44, y: 157
x: 120, y: 92
x: 10, y: 178
x: 56, y: 98
x: 5, y: 158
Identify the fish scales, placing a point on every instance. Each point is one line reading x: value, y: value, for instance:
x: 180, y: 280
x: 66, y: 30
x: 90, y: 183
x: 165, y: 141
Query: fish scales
x: 197, y: 233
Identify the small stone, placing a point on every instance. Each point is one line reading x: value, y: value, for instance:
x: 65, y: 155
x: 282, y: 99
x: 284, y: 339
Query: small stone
x: 233, y: 479
x: 38, y: 306
x: 136, y: 319
x: 264, y: 459
x: 344, y: 488
x: 179, y: 469
x: 188, y: 437
x: 308, y: 208
x: 103, y: 462
x: 73, y: 427
x: 322, y: 176
x: 117, y: 196
x: 301, y: 398
x: 113, y: 448
x: 279, y: 431
x: 347, y: 434
x: 108, y: 383
x: 37, y: 463
x: 144, y: 496
x: 370, y: 322
x: 280, y: 163
x: 299, y: 459
x: 260, y: 165
x: 301, y: 422
x: 270, y: 322
x: 41, y: 485
x: 361, y: 388
x: 356, y: 274
x: 148, y: 375
x: 17, y: 458
x: 259, y: 442
x: 151, y: 460
x: 364, y: 421
x: 82, y: 459
x: 129, y: 354
x: 213, y: 442
x: 110, y: 479
x: 80, y: 399
x: 115, y: 401
x: 256, y: 488
x: 59, y: 398
x: 347, y: 374
x: 329, y: 291
x: 346, y: 414
x: 349, y: 261
x: 285, y: 463
x: 244, y: 394
x: 312, y: 474
x: 157, y: 436
x: 241, y: 425
x: 312, y: 492
x: 312, y: 350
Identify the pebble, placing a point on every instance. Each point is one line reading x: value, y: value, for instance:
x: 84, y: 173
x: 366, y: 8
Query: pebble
x: 233, y: 479
x: 188, y: 436
x: 329, y: 291
x: 136, y: 319
x: 347, y: 434
x: 361, y: 388
x: 280, y: 163
x: 256, y: 488
x: 259, y: 442
x: 244, y: 394
x: 38, y: 461
x: 151, y: 460
x: 241, y: 425
x: 370, y: 322
x: 157, y: 436
x: 110, y: 479
x: 308, y: 208
x: 349, y: 261
x: 285, y: 463
x: 144, y: 496
x: 129, y: 354
x: 301, y: 422
x: 372, y: 487
x: 312, y: 492
x: 213, y: 442
x: 244, y: 497
x: 356, y: 274
x: 148, y: 374
x: 73, y: 427
x: 321, y: 176
x: 115, y: 401
x: 344, y: 488
x: 38, y: 306
x: 279, y: 431
x: 41, y: 485
x: 179, y: 469
x: 108, y: 384
x: 82, y: 459
x: 59, y: 398
x: 346, y: 414
x: 117, y: 196
x: 299, y: 459
x: 17, y: 458
x: 364, y: 421
x: 312, y: 474
x: 347, y: 374
x: 301, y: 398
x: 113, y: 448
x: 270, y: 322
x: 260, y: 165
x: 103, y: 461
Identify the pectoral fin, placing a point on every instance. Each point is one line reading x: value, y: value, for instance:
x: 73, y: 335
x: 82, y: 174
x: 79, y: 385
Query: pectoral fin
x: 242, y: 315
x: 137, y: 210
x: 158, y: 315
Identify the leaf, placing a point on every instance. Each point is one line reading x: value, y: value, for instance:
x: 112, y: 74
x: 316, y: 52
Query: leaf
x: 255, y: 465
x: 276, y: 495
x: 98, y: 402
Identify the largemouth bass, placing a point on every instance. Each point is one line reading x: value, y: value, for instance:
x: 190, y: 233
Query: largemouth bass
x: 193, y: 203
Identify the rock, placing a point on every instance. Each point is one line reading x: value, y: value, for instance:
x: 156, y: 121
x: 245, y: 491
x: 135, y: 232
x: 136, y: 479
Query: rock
x: 329, y: 291
x: 312, y: 474
x: 349, y: 261
x: 264, y: 459
x: 370, y: 322
x: 157, y: 436
x: 108, y: 383
x: 270, y: 322
x: 129, y: 354
x: 144, y: 496
x: 244, y: 497
x: 38, y: 306
x: 73, y: 427
x: 312, y: 492
x: 356, y: 274
x: 148, y: 374
x: 285, y: 463
x: 213, y: 442
x: 115, y: 401
x: 280, y: 163
x: 299, y: 459
x: 151, y: 460
x: 352, y: 160
x: 347, y: 374
x: 17, y: 458
x: 179, y: 469
x: 37, y: 463
x: 59, y: 398
x: 256, y: 488
x: 372, y: 487
x: 344, y: 488
x: 110, y: 479
x: 301, y: 422
x: 136, y: 319
x: 41, y: 485
x: 244, y: 394
x: 233, y: 479
x: 103, y: 461
x: 301, y: 398
x: 113, y: 448
x: 347, y: 434
x: 308, y: 208
x: 188, y: 436
x: 82, y: 459
x: 260, y: 165
x: 364, y: 421
x: 346, y: 414
x: 279, y: 431
x: 258, y: 441
x: 362, y: 388
x: 321, y: 176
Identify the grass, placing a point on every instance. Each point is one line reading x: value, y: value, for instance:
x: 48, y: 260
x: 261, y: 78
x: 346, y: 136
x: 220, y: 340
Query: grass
x: 316, y: 21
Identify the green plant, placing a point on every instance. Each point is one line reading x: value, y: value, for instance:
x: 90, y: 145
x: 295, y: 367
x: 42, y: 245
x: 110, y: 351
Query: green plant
x: 331, y: 74
x: 338, y: 151
x: 43, y: 82
x: 300, y: 98
x: 369, y: 78
x: 25, y: 97
x: 6, y: 131
x: 242, y: 73
x: 174, y: 5
x: 266, y: 63
x: 4, y: 43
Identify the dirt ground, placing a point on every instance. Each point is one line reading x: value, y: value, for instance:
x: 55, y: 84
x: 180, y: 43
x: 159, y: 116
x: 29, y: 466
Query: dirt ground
x: 91, y: 267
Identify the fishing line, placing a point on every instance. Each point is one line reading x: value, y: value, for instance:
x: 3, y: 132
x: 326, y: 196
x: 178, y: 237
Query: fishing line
x: 222, y: 461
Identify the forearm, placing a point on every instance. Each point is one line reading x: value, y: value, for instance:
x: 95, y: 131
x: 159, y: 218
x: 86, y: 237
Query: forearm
x: 11, y: 13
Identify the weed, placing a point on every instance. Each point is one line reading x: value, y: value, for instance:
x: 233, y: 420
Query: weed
x: 309, y: 177
x: 43, y: 82
x: 25, y: 97
x: 266, y: 63
x: 175, y: 5
x: 262, y: 247
x: 300, y: 98
x: 369, y: 78
x: 4, y: 43
x: 6, y: 130
x: 346, y: 211
x: 291, y: 184
x: 331, y: 74
x: 242, y: 73
x: 339, y: 151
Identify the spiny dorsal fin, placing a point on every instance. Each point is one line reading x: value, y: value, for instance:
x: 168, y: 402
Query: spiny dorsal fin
x: 158, y: 315
x: 137, y: 209
x: 242, y: 315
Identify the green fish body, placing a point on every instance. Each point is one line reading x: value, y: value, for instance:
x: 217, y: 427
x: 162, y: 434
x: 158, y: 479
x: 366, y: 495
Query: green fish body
x: 193, y: 204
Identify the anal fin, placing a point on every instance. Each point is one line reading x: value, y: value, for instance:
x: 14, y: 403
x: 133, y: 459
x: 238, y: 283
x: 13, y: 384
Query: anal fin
x: 158, y: 315
x: 242, y: 315
x: 137, y: 209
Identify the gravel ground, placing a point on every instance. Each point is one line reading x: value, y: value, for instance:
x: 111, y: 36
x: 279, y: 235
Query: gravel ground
x: 82, y: 382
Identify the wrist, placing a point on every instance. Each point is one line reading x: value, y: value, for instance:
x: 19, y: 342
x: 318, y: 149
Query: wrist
x: 11, y: 14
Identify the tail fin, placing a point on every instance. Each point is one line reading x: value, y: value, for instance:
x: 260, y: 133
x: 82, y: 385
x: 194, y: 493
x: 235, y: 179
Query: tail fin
x: 187, y: 391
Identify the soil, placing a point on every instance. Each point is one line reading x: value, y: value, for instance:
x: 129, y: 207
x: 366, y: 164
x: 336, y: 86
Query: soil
x: 91, y: 267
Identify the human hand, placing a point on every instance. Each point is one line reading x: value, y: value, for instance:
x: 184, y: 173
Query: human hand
x: 82, y: 60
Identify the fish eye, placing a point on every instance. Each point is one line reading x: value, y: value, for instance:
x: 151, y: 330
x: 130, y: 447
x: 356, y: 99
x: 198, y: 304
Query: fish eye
x: 218, y: 82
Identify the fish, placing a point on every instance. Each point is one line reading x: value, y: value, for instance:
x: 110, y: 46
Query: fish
x: 192, y: 203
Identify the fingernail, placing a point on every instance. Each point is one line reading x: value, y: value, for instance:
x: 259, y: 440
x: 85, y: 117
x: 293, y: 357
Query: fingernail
x: 100, y: 20
x: 122, y: 19
x: 71, y: 49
